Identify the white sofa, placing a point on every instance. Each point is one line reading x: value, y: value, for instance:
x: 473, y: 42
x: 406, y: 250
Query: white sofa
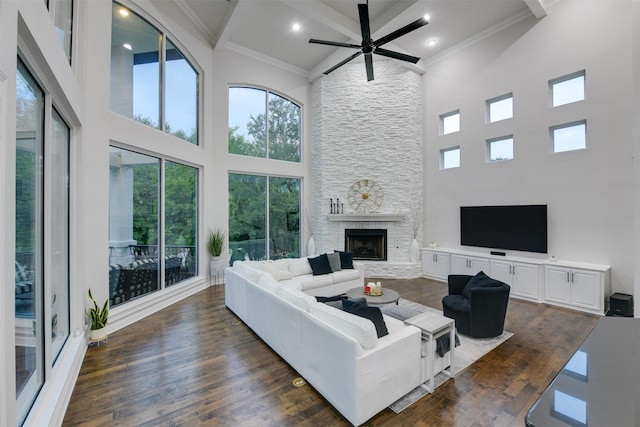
x: 336, y: 352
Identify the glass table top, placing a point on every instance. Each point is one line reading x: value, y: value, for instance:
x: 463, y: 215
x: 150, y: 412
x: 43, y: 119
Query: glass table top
x: 599, y: 385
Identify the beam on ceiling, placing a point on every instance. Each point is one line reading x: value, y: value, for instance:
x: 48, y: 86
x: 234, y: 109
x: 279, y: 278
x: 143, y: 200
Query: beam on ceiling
x: 537, y: 8
x: 327, y: 16
x: 230, y: 21
x: 197, y: 21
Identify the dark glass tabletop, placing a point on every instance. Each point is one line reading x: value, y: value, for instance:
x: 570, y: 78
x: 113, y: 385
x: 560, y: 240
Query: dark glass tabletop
x: 599, y: 385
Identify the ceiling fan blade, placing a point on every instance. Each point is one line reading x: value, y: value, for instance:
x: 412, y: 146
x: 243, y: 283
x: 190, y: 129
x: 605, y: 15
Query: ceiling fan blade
x: 368, y: 62
x: 396, y: 55
x: 363, y: 11
x: 335, y: 67
x: 330, y: 43
x: 401, y: 32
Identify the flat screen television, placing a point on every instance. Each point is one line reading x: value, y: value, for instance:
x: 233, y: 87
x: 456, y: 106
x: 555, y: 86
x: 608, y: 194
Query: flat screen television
x: 520, y: 228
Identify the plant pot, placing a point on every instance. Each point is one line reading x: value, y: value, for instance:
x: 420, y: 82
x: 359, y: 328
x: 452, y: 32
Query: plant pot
x: 98, y: 334
x: 217, y: 265
x: 414, y: 251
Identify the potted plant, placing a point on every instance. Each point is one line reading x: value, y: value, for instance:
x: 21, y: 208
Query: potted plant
x: 215, y: 247
x: 98, y: 317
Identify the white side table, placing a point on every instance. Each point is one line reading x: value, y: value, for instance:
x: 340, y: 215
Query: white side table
x: 433, y: 326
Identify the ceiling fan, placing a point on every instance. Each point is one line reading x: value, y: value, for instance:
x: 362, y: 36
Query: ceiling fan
x: 370, y: 46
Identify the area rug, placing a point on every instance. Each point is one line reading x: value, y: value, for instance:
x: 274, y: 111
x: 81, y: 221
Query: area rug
x: 469, y: 350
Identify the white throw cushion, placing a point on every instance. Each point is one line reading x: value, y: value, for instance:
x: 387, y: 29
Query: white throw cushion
x: 282, y: 264
x: 299, y: 266
x: 274, y: 269
x: 358, y: 328
x: 295, y: 297
x: 247, y: 271
x: 345, y: 275
x: 268, y: 282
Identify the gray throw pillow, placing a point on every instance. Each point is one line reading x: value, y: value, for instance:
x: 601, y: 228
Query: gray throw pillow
x: 334, y: 261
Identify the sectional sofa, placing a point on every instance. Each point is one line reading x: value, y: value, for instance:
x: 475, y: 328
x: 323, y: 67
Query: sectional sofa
x: 338, y: 353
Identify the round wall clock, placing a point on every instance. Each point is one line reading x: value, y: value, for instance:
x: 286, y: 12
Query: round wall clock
x: 366, y: 196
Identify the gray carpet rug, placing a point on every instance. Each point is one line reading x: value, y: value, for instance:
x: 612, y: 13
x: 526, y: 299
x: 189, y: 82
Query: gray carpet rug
x: 469, y: 350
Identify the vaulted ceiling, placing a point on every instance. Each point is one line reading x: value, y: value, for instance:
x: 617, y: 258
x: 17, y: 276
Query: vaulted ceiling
x: 263, y: 28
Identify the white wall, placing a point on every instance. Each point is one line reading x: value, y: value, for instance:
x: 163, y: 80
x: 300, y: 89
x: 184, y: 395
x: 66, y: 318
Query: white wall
x: 589, y: 193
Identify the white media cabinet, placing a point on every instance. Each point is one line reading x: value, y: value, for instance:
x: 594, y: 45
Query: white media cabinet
x: 574, y: 285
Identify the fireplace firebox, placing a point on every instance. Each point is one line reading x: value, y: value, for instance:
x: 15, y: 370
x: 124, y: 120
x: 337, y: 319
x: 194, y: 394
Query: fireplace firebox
x: 366, y: 244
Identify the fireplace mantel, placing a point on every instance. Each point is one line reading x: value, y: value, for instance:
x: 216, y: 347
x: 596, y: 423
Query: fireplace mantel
x: 372, y: 217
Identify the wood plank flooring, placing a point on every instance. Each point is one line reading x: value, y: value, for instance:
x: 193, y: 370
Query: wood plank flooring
x: 195, y: 363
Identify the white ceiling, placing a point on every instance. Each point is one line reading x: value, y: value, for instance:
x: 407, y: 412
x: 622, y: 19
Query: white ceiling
x: 263, y: 27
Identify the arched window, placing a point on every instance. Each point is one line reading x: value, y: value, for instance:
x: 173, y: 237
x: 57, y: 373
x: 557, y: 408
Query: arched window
x: 263, y: 124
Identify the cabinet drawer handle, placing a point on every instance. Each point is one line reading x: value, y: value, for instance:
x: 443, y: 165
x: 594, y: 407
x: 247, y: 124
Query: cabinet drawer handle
x: 568, y: 277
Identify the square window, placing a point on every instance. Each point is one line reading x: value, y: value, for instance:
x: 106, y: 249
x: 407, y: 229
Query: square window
x: 499, y: 149
x: 567, y: 89
x: 568, y: 137
x: 450, y: 122
x: 450, y: 158
x: 500, y: 108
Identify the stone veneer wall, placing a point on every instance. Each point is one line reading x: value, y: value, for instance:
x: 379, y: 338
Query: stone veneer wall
x: 369, y: 130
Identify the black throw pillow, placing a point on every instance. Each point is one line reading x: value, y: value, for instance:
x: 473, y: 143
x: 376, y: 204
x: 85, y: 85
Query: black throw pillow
x: 329, y: 299
x: 346, y: 260
x: 372, y: 313
x: 480, y: 280
x: 320, y: 265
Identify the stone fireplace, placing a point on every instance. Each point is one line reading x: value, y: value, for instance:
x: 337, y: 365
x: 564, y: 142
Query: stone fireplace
x: 366, y: 244
x: 368, y: 130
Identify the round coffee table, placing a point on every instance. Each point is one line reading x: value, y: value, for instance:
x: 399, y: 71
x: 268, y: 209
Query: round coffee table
x: 389, y: 296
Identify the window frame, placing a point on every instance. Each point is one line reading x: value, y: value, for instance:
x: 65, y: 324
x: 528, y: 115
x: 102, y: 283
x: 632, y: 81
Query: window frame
x: 161, y: 219
x: 495, y: 100
x: 442, y: 119
x: 268, y: 92
x: 444, y: 151
x: 164, y: 36
x: 489, y: 143
x: 564, y: 79
x: 267, y: 210
x: 552, y: 136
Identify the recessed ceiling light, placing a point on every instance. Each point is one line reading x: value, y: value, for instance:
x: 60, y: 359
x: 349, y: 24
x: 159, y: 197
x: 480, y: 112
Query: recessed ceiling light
x: 127, y: 46
x: 295, y: 27
x: 124, y: 12
x: 432, y: 42
x: 427, y: 17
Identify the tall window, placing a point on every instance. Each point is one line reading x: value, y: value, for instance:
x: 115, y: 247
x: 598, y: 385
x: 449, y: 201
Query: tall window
x: 41, y: 164
x: 264, y: 217
x: 151, y: 79
x: 139, y: 261
x: 59, y: 165
x: 263, y: 124
x: 63, y: 20
x: 181, y: 220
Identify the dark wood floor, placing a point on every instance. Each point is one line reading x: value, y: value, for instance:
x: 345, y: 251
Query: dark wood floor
x: 195, y: 363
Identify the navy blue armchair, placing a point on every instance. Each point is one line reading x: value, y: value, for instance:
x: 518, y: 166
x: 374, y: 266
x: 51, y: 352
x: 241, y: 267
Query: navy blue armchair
x: 478, y: 306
